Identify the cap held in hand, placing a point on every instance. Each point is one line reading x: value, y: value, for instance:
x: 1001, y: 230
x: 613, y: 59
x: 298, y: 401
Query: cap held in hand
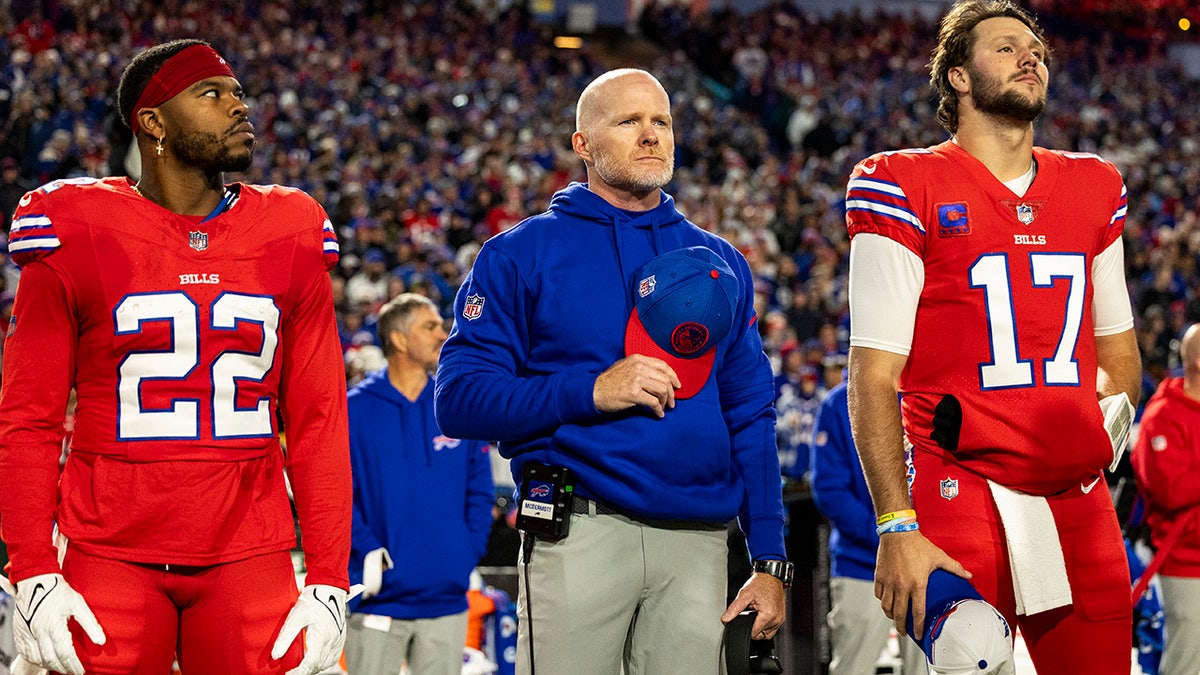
x: 683, y: 306
x: 963, y: 633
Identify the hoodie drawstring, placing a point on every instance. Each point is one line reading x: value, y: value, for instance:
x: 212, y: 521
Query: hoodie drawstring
x: 656, y: 235
x: 616, y: 226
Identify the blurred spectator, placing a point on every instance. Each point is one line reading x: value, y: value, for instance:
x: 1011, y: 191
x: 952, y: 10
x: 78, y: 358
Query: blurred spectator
x: 12, y: 186
x: 796, y: 411
x: 412, y: 484
x: 369, y: 287
x: 1166, y: 462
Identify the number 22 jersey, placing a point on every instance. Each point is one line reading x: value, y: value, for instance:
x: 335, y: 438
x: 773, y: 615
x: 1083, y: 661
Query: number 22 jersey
x: 1002, y: 365
x: 190, y: 345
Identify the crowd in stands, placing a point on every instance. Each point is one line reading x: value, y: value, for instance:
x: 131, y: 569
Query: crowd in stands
x: 424, y: 128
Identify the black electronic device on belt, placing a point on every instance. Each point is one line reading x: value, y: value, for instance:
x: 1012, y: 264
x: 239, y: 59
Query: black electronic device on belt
x: 546, y: 498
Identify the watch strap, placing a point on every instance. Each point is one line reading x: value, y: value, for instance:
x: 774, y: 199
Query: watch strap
x: 780, y: 569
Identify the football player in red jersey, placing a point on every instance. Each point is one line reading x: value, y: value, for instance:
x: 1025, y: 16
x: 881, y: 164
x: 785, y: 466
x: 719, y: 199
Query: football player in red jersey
x: 195, y: 321
x: 987, y: 288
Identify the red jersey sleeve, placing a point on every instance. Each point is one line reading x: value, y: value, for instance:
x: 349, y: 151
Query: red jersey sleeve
x: 33, y: 236
x: 313, y: 406
x: 332, y: 250
x: 876, y: 202
x: 1117, y: 224
x: 1105, y: 181
x: 39, y: 359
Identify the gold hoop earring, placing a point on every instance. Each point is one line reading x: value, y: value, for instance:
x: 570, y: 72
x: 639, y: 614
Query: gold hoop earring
x: 158, y: 147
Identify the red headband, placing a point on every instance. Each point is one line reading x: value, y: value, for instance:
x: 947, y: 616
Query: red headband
x: 177, y: 73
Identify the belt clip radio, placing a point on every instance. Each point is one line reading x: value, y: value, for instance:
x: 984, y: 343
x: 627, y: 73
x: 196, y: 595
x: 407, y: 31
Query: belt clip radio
x: 546, y: 499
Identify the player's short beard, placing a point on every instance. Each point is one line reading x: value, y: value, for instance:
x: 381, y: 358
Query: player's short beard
x: 205, y: 150
x: 627, y: 177
x: 992, y: 98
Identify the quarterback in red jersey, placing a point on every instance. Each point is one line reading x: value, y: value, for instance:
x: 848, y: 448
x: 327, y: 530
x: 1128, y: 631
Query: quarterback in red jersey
x: 195, y: 322
x: 987, y: 289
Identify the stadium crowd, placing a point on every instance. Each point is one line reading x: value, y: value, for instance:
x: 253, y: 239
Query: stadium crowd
x: 426, y: 127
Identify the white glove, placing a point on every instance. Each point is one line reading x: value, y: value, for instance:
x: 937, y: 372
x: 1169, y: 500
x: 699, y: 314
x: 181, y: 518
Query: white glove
x: 20, y: 666
x: 374, y: 564
x: 1118, y: 419
x: 321, y: 612
x: 476, y: 662
x: 44, y: 605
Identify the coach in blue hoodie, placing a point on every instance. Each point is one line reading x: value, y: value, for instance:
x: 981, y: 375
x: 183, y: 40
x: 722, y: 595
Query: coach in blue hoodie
x: 549, y: 357
x: 422, y: 507
x: 857, y: 625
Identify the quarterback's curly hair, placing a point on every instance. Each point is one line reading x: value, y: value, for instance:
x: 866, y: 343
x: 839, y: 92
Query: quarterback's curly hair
x: 956, y: 39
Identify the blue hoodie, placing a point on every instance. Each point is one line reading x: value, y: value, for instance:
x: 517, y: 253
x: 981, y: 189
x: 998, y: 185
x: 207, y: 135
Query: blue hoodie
x: 423, y: 496
x: 543, y: 312
x: 840, y: 490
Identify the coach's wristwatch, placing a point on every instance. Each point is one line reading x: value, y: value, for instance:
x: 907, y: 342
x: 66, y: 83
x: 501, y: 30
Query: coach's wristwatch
x: 780, y: 569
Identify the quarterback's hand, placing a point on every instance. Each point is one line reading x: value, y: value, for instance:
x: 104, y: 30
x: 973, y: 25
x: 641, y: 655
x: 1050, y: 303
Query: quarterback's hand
x: 374, y: 565
x: 320, y: 612
x: 902, y: 570
x: 44, y: 605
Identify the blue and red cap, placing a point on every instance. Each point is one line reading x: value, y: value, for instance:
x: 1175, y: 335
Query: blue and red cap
x: 684, y: 303
x: 964, y: 634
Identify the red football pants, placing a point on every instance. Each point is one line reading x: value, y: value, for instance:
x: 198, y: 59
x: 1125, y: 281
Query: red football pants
x: 217, y: 619
x: 1093, y: 635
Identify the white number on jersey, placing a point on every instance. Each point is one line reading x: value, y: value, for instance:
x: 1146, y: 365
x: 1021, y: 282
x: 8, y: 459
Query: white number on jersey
x: 1006, y: 369
x: 182, y: 419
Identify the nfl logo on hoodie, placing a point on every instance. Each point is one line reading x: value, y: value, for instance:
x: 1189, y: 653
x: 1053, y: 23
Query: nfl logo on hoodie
x: 473, y: 309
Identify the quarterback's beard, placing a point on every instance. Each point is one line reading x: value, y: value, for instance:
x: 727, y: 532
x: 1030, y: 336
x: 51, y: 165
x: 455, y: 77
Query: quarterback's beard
x: 991, y: 98
x: 628, y: 178
x: 207, y: 151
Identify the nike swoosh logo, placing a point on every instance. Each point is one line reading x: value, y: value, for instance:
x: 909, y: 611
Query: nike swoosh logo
x: 35, y: 602
x: 869, y: 169
x: 331, y: 605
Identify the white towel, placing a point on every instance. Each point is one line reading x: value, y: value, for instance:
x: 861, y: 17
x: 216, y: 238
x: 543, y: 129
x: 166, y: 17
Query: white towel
x: 1034, y: 551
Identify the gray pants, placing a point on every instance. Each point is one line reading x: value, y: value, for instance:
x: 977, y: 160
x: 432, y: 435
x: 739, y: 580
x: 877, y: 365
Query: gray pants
x: 1181, y: 619
x: 380, y: 645
x: 622, y: 594
x: 859, y: 630
x: 7, y: 649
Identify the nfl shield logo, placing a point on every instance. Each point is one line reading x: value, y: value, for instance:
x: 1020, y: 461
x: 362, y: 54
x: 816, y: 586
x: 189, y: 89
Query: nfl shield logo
x: 646, y: 286
x: 1025, y: 213
x: 474, y: 307
x: 949, y: 488
x: 198, y: 240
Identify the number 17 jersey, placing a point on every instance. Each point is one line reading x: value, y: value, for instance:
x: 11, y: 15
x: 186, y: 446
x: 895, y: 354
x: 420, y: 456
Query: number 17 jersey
x: 1002, y: 367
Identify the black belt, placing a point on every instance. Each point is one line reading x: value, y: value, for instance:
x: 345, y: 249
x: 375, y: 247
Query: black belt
x: 580, y: 505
